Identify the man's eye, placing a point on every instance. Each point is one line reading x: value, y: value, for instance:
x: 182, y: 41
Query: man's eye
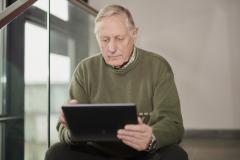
x: 120, y: 38
x: 105, y: 40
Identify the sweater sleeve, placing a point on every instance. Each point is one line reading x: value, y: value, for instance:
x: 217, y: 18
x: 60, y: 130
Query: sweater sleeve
x: 78, y: 85
x: 166, y: 119
x: 77, y: 92
x: 63, y: 134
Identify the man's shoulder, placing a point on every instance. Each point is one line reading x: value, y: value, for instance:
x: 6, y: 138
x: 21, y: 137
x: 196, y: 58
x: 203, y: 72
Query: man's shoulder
x: 92, y: 59
x: 89, y: 62
x: 152, y: 57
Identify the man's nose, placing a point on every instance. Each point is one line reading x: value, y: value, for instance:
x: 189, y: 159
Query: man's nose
x: 112, y: 46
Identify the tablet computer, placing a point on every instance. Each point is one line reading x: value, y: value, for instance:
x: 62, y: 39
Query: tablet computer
x: 98, y: 122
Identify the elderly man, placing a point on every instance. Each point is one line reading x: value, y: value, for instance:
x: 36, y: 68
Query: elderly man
x: 123, y: 73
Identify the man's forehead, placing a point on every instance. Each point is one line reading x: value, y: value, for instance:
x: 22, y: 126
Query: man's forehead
x: 115, y: 33
x: 114, y: 24
x: 114, y: 17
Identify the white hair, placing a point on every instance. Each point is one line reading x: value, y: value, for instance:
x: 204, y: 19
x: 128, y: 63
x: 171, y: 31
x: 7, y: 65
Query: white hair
x: 111, y: 10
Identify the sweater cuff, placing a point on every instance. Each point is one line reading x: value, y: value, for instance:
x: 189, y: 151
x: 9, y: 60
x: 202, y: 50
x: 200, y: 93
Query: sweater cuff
x: 64, y: 134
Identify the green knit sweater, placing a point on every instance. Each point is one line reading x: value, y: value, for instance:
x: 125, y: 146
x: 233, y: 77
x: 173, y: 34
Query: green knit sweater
x: 148, y: 82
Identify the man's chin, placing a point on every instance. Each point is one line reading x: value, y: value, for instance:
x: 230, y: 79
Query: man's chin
x: 116, y: 65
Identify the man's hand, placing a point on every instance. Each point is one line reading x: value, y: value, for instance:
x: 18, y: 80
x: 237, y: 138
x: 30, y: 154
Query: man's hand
x: 136, y: 136
x: 61, y: 117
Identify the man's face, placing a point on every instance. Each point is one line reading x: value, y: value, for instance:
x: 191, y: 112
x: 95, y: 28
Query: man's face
x: 115, y: 39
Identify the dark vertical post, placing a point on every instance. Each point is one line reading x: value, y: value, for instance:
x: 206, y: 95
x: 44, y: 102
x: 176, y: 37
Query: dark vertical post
x: 15, y: 89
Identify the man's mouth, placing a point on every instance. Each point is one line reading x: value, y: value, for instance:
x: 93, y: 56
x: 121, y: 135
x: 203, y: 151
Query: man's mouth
x: 113, y: 56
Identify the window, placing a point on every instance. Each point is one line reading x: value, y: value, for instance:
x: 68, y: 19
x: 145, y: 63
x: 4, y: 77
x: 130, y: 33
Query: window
x: 70, y: 41
x: 36, y: 91
x: 1, y: 81
x: 24, y: 74
x: 1, y: 68
x: 60, y: 10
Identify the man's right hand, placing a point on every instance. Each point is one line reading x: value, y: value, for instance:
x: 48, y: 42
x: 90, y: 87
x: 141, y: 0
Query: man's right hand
x: 62, y: 117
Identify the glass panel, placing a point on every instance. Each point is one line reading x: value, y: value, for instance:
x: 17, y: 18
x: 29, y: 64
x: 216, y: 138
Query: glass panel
x: 1, y: 84
x: 36, y: 91
x: 1, y: 69
x: 1, y: 142
x: 68, y: 46
x: 9, y: 151
x: 59, y: 8
x: 1, y: 62
x: 24, y: 87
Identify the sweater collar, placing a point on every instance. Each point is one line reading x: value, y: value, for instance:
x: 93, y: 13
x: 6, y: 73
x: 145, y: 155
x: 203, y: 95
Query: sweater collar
x: 130, y: 61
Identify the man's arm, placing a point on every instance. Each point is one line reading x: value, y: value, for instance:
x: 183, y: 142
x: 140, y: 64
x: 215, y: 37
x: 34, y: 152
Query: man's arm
x: 137, y: 136
x: 77, y: 95
x: 166, y: 119
x: 63, y: 132
x: 165, y: 124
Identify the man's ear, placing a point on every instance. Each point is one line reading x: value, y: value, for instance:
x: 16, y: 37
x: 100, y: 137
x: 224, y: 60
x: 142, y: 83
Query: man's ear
x: 98, y: 38
x: 135, y: 34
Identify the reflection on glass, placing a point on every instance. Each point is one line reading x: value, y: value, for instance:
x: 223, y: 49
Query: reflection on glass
x: 59, y: 69
x: 36, y: 91
x: 1, y: 68
x: 11, y: 141
x: 1, y: 143
x: 36, y: 59
x: 59, y: 8
x: 73, y: 43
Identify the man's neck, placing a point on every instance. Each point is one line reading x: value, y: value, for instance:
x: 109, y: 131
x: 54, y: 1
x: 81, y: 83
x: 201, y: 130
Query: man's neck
x: 130, y: 60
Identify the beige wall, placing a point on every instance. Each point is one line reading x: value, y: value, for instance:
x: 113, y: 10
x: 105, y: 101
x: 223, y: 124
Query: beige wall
x: 201, y: 40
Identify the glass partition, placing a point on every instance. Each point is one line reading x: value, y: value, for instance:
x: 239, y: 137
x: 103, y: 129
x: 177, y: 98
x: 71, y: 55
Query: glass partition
x: 1, y: 64
x: 28, y: 59
x: 24, y: 86
x: 71, y: 39
x: 1, y: 83
x: 36, y: 90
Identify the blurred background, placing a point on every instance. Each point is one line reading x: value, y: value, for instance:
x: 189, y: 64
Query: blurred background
x: 40, y: 48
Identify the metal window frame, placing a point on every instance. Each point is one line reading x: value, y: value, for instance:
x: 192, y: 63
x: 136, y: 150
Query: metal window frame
x: 2, y: 83
x: 1, y: 59
x: 16, y: 9
x: 13, y: 11
x: 85, y: 6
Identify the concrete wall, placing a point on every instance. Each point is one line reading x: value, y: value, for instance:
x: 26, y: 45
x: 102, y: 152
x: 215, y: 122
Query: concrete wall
x: 201, y: 40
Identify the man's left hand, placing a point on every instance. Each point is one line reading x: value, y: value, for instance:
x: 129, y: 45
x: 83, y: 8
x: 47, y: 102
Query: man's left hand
x: 137, y: 136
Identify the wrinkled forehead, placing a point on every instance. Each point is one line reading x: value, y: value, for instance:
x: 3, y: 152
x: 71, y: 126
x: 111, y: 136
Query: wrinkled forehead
x: 112, y: 26
x: 116, y: 18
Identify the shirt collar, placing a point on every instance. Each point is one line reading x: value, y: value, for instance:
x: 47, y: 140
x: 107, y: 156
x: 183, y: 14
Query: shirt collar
x: 132, y: 58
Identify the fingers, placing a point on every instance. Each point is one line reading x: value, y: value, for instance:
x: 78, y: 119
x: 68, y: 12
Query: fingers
x: 130, y: 135
x: 140, y: 120
x: 130, y: 141
x: 133, y: 145
x: 73, y: 101
x: 136, y: 127
x: 62, y: 117
x: 134, y: 140
x: 139, y: 128
x: 136, y: 136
